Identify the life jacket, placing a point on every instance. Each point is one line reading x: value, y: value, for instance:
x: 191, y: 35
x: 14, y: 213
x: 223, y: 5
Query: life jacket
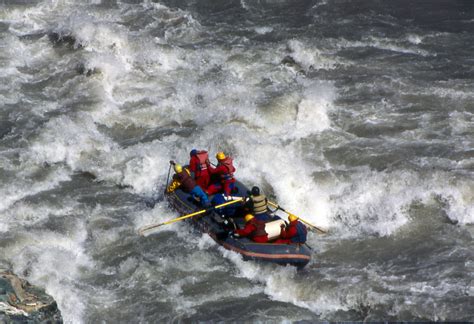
x: 203, y: 158
x: 301, y: 234
x: 260, y: 228
x: 259, y: 204
x: 227, y: 162
x: 186, y: 181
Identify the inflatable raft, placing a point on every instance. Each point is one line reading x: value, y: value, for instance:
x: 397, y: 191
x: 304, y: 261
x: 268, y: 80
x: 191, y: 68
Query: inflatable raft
x: 219, y: 226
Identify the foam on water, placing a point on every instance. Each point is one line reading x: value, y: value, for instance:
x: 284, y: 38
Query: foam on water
x: 352, y: 293
x: 243, y: 101
x: 13, y: 192
x: 379, y: 202
x: 312, y: 116
x: 462, y: 123
x: 66, y: 140
x: 79, y: 144
x: 263, y: 30
x: 158, y: 214
x: 25, y: 214
x: 452, y: 93
x: 393, y: 45
x: 310, y: 57
x: 283, y: 284
x: 54, y: 261
x: 415, y: 39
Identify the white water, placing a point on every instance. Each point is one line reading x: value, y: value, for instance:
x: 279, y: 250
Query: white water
x: 281, y: 123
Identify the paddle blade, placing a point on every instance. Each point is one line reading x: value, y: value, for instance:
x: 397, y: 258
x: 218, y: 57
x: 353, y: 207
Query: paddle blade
x: 147, y: 230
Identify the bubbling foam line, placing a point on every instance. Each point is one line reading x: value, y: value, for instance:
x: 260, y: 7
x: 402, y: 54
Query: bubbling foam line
x: 310, y: 57
x: 263, y: 30
x: 384, y: 44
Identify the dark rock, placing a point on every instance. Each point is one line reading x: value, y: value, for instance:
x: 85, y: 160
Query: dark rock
x: 22, y: 302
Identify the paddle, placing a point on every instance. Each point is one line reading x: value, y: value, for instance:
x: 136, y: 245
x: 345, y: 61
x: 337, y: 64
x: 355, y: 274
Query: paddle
x: 168, y: 176
x: 146, y: 228
x: 319, y: 230
x: 150, y: 202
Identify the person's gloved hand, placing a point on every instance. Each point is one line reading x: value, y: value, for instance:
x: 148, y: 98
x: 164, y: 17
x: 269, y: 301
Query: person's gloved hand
x: 236, y: 235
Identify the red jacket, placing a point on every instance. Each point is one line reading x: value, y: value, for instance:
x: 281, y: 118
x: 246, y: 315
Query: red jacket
x: 255, y: 230
x: 225, y: 169
x: 290, y: 231
x: 199, y: 162
x: 193, y: 164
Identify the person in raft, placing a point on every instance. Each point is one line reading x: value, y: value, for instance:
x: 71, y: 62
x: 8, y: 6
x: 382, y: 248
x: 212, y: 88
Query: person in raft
x: 254, y: 229
x: 295, y: 232
x: 183, y: 180
x: 225, y: 170
x: 257, y: 203
x: 199, y: 164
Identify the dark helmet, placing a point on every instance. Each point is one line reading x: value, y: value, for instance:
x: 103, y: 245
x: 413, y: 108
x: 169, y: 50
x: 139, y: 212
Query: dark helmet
x: 193, y: 152
x: 255, y: 191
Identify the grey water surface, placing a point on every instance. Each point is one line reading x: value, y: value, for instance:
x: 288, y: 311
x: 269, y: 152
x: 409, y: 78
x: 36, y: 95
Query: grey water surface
x: 356, y: 115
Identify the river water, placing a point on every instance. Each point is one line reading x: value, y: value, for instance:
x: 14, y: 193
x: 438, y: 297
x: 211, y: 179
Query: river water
x: 356, y: 115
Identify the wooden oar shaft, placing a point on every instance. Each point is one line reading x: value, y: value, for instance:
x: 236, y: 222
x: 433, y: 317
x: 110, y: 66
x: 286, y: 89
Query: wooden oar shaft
x: 306, y: 222
x: 146, y: 228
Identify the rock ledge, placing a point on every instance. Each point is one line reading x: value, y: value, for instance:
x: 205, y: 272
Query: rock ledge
x: 22, y: 302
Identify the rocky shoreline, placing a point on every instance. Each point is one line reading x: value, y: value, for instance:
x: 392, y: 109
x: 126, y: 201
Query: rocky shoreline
x: 22, y: 302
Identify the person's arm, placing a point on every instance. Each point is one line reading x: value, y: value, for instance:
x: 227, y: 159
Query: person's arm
x: 193, y: 164
x: 220, y: 169
x: 246, y: 231
x: 211, y: 169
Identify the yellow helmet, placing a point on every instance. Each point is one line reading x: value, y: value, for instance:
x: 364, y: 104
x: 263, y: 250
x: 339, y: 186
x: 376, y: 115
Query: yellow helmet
x: 220, y: 156
x: 178, y: 168
x: 248, y: 217
x: 292, y: 217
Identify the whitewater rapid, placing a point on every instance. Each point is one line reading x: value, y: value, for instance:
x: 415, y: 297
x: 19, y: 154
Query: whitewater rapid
x: 359, y: 121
